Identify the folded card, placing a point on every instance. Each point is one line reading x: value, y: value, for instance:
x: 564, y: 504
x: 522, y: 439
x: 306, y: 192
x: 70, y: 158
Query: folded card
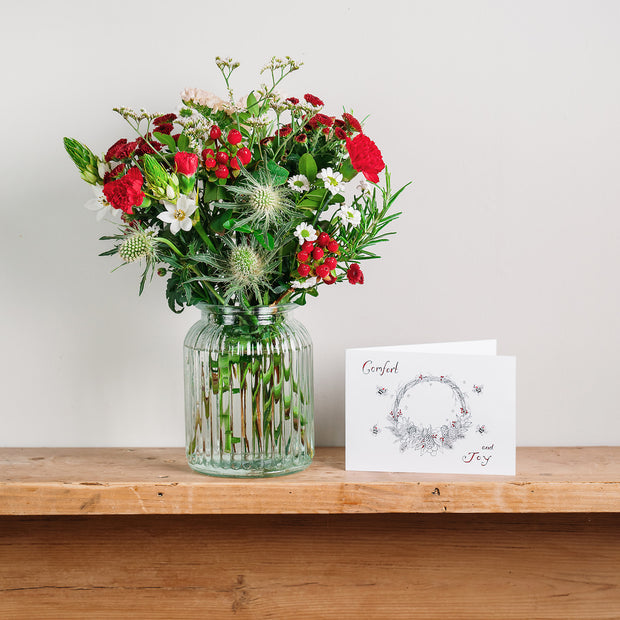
x: 436, y: 408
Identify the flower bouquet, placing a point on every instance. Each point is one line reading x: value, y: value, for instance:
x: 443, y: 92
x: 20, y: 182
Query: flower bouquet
x: 247, y: 207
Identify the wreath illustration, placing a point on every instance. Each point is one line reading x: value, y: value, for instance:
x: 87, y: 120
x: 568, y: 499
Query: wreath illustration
x: 429, y: 439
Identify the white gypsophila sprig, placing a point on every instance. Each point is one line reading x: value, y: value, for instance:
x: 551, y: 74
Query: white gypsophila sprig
x: 299, y: 183
x: 331, y: 180
x: 304, y: 284
x: 305, y: 232
x: 277, y: 63
x: 179, y: 215
x: 226, y: 63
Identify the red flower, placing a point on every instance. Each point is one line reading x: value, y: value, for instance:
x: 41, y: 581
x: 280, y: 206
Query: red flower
x: 285, y: 130
x: 165, y: 119
x: 121, y: 149
x: 292, y: 100
x: 311, y: 124
x: 164, y: 128
x: 234, y: 136
x: 354, y: 274
x: 352, y: 122
x: 245, y: 155
x: 323, y: 119
x: 186, y: 163
x: 125, y: 193
x: 340, y: 133
x: 301, y: 138
x: 149, y: 147
x: 267, y: 140
x: 365, y: 157
x: 312, y: 100
x: 113, y: 174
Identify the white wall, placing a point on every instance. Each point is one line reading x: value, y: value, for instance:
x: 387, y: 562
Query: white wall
x: 505, y: 115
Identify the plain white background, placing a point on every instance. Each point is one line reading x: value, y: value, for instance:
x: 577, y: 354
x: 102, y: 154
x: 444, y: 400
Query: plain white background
x: 504, y: 114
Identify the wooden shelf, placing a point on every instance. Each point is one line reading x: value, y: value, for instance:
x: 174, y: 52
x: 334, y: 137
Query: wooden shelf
x: 120, y: 481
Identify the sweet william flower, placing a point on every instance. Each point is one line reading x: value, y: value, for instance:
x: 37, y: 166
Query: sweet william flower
x: 186, y: 163
x: 179, y: 215
x: 354, y: 274
x: 305, y: 232
x: 313, y: 100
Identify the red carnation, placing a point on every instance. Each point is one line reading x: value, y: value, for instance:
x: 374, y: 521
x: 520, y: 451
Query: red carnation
x: 312, y: 100
x: 121, y: 149
x: 165, y: 119
x: 352, y: 122
x: 125, y: 193
x: 354, y: 274
x: 365, y: 157
x: 186, y: 163
x: 293, y: 100
x: 340, y: 133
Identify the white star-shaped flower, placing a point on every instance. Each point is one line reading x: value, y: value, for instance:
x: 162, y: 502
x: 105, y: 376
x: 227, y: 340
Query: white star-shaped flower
x: 179, y: 215
x: 101, y: 206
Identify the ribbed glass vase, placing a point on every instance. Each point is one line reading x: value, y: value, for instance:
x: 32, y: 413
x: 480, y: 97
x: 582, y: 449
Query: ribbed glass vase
x: 249, y: 402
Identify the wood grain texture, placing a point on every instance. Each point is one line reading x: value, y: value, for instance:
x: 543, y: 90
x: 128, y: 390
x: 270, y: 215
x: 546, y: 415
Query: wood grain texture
x: 37, y: 481
x: 310, y: 566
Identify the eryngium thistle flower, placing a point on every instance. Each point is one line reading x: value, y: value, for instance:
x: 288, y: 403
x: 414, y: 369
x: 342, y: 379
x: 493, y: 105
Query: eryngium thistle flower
x: 137, y: 245
x: 261, y: 202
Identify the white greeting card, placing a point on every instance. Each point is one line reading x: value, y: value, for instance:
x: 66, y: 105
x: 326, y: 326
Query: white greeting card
x: 437, y: 408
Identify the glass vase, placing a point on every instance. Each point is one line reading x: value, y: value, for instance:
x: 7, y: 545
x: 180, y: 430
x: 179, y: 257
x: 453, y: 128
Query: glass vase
x: 249, y: 401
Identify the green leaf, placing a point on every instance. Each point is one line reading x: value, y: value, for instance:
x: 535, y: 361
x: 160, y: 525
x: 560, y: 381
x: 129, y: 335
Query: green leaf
x: 183, y: 143
x: 164, y: 138
x: 307, y: 166
x: 347, y: 170
x: 252, y: 104
x: 278, y: 174
x: 266, y: 241
x: 313, y: 292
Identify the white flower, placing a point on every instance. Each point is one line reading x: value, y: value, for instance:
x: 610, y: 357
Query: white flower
x: 101, y: 206
x: 332, y: 180
x: 349, y: 215
x: 363, y: 188
x: 102, y: 167
x: 299, y: 184
x: 305, y: 232
x: 179, y: 215
x: 303, y: 284
x: 202, y: 97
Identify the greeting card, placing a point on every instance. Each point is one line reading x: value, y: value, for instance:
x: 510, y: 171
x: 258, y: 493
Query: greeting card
x: 437, y: 408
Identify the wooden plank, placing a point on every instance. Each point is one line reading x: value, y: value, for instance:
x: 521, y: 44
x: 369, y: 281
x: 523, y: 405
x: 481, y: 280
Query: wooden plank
x: 310, y: 566
x: 37, y: 481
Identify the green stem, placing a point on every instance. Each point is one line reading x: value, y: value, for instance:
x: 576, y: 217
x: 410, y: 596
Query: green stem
x: 203, y: 235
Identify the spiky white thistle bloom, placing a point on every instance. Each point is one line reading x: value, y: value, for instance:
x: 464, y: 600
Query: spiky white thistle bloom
x: 262, y: 203
x: 139, y: 243
x: 349, y: 216
x: 100, y: 205
x: 179, y: 215
x: 305, y: 232
x: 331, y: 180
x: 299, y: 183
